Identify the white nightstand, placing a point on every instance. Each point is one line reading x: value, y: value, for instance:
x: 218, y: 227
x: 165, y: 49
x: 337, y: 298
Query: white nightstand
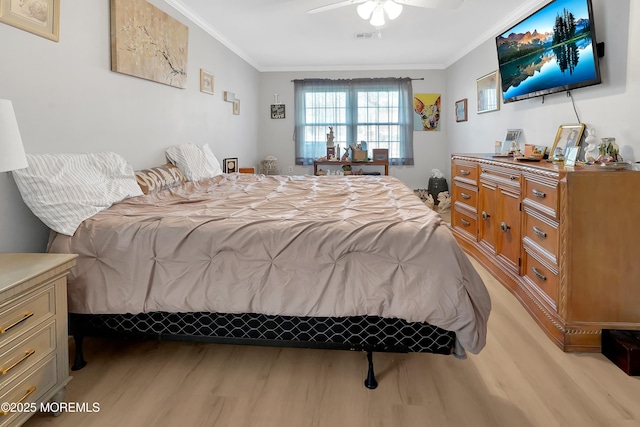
x: 34, y: 360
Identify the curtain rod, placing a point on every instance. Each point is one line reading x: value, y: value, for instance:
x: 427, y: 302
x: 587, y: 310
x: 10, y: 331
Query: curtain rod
x: 421, y: 78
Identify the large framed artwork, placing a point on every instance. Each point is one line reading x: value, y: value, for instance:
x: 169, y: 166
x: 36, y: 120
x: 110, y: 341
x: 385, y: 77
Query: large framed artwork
x: 148, y: 43
x: 487, y: 88
x: 40, y: 17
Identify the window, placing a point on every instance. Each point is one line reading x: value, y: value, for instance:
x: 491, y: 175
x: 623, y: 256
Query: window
x: 378, y: 111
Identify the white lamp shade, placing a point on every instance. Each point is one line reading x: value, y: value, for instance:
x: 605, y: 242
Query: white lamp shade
x: 393, y: 9
x: 365, y: 9
x: 12, y: 155
x: 377, y: 18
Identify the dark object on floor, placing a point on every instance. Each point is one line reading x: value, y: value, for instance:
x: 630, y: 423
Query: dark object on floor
x: 437, y: 186
x: 623, y: 349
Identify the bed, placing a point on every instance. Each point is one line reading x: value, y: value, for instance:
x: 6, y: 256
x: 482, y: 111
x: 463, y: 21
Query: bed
x: 339, y: 262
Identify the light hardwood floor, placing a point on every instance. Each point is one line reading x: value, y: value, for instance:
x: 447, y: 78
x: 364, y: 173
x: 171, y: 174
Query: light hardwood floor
x: 520, y: 379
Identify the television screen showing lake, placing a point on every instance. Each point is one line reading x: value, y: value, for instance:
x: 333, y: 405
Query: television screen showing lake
x: 552, y: 50
x: 546, y: 70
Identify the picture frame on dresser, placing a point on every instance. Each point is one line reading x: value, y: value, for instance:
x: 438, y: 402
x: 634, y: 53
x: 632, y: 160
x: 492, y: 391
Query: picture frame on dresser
x: 380, y: 154
x: 512, y: 135
x: 567, y: 136
x: 571, y: 155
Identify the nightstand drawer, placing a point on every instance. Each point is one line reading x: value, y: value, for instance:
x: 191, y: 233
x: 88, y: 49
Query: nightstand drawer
x: 23, y: 354
x: 28, y: 389
x: 26, y: 312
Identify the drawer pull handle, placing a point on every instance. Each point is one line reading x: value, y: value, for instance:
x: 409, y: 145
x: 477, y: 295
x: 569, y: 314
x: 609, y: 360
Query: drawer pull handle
x: 513, y: 177
x: 537, y: 273
x: 539, y: 232
x: 485, y: 215
x: 504, y: 227
x: 465, y: 196
x: 28, y: 393
x: 465, y: 223
x: 27, y: 315
x: 5, y: 371
x: 538, y: 193
x: 464, y: 172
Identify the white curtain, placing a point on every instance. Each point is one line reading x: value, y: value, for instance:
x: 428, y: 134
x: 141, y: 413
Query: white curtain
x: 377, y: 111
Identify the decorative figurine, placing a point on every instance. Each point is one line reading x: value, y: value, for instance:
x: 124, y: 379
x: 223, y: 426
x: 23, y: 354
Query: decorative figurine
x: 330, y: 137
x: 591, y: 152
x: 444, y: 201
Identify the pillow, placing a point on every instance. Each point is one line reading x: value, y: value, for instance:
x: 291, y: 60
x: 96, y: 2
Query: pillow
x: 159, y: 178
x: 65, y: 189
x: 196, y: 162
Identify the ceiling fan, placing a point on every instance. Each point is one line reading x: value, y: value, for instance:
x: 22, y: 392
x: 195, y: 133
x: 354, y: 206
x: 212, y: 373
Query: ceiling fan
x: 376, y: 9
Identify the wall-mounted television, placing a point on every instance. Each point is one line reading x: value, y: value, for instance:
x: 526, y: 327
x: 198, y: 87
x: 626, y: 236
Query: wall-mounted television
x: 552, y: 50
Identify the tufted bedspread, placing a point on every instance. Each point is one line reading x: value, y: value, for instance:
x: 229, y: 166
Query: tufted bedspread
x: 278, y: 245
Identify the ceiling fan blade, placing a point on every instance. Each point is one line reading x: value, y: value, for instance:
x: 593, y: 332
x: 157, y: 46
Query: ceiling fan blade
x: 335, y: 5
x: 433, y: 4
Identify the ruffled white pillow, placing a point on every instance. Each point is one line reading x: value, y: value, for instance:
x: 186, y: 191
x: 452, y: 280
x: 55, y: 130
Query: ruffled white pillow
x: 196, y: 162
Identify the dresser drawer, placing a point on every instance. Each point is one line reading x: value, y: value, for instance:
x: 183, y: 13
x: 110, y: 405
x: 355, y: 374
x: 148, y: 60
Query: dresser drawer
x: 465, y: 194
x: 28, y: 388
x: 542, y: 275
x: 24, y: 353
x: 465, y: 222
x: 25, y: 312
x: 496, y: 173
x: 542, y: 232
x: 544, y: 196
x: 466, y: 171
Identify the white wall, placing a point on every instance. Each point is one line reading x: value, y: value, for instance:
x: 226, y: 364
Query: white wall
x: 276, y: 135
x: 610, y: 107
x: 66, y: 99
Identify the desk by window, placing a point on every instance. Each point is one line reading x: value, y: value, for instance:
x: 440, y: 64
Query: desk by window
x: 353, y: 164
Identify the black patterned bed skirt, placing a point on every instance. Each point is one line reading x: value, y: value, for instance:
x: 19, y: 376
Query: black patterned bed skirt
x: 368, y: 333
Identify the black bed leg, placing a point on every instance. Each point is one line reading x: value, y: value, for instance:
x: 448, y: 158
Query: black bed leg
x: 370, y: 382
x: 78, y: 361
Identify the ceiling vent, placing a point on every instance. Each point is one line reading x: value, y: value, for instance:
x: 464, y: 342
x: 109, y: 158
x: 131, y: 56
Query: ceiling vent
x: 363, y: 36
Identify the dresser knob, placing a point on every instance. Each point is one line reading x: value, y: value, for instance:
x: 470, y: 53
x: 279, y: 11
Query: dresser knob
x: 504, y: 227
x: 539, y: 232
x: 538, y: 193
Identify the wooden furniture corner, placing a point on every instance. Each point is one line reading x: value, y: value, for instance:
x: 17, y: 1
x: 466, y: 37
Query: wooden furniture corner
x: 34, y: 359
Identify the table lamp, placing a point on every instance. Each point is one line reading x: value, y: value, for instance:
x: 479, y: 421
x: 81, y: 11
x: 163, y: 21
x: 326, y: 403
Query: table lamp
x: 12, y: 155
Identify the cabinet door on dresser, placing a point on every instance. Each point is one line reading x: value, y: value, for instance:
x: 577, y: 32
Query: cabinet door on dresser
x: 508, y: 240
x: 487, y: 216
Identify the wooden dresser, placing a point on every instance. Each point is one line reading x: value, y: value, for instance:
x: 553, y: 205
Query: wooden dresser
x: 564, y: 241
x: 34, y: 361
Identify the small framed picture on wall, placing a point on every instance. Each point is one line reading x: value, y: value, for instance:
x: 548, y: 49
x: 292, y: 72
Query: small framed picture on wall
x: 461, y: 110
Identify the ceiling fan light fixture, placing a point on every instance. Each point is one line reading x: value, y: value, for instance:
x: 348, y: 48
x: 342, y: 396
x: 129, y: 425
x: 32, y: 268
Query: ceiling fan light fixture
x: 393, y: 9
x: 377, y: 18
x: 365, y: 9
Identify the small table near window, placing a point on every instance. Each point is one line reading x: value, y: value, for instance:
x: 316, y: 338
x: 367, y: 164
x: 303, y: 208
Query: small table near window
x: 353, y: 164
